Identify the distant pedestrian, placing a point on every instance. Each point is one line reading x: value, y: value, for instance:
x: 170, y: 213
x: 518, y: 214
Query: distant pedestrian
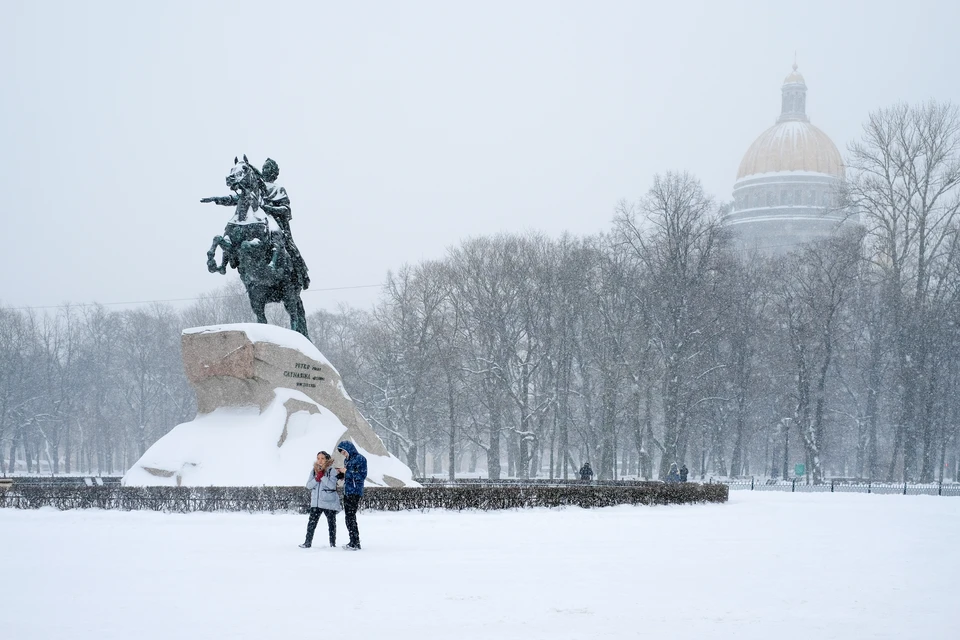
x: 683, y: 473
x: 323, y: 498
x: 673, y: 476
x: 355, y: 473
x: 586, y: 473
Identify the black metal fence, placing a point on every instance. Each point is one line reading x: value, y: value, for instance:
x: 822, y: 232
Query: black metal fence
x: 280, y: 499
x: 528, y: 482
x: 64, y: 481
x: 843, y: 486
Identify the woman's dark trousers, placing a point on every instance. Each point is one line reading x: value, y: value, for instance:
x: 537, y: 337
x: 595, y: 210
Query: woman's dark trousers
x: 331, y: 524
x: 350, y: 506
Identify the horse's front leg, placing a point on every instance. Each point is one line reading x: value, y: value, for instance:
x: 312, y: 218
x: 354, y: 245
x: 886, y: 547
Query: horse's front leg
x: 226, y: 246
x: 212, y: 254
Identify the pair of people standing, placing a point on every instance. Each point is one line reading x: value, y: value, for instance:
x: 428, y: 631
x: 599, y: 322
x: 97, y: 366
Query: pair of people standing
x: 324, y: 499
x: 677, y: 475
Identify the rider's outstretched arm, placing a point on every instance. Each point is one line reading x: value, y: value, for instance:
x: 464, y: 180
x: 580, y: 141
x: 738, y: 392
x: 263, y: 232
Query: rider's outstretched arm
x: 230, y: 200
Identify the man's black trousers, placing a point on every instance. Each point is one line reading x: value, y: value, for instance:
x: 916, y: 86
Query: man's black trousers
x: 350, y: 506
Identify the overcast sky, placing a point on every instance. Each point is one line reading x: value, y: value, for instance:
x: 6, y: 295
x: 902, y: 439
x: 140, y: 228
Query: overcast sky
x: 400, y: 127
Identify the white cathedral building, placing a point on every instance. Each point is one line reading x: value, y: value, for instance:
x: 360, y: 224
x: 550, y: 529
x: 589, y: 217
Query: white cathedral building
x: 786, y: 187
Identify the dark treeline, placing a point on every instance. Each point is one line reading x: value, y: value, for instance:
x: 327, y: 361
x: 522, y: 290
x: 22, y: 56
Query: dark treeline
x: 659, y: 341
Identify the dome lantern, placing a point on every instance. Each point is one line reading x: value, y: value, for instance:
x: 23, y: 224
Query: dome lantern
x: 794, y: 101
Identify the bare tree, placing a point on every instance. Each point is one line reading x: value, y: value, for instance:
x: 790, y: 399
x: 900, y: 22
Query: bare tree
x: 746, y: 322
x: 678, y: 238
x: 905, y: 186
x: 406, y: 329
x: 814, y: 285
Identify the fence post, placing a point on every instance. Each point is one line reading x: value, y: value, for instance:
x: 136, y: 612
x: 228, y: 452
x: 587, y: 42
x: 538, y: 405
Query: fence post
x: 831, y: 485
x: 904, y: 487
x: 940, y: 488
x: 793, y: 486
x: 869, y: 486
x: 751, y: 483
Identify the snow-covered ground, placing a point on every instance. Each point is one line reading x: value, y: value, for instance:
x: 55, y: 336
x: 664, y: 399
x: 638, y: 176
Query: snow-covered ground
x: 765, y: 566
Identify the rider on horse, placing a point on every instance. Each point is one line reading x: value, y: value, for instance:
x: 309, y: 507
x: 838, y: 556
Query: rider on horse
x: 275, y: 202
x: 257, y: 242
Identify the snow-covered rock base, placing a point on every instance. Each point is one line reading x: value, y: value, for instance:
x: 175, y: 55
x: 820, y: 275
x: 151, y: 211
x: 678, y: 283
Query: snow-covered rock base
x: 268, y: 402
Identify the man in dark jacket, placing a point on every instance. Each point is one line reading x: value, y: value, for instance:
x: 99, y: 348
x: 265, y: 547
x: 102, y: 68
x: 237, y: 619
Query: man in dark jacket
x: 586, y: 472
x: 683, y: 473
x: 355, y: 472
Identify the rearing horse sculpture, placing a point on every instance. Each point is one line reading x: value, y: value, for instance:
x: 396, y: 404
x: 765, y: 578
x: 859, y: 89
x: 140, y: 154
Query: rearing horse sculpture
x: 253, y: 244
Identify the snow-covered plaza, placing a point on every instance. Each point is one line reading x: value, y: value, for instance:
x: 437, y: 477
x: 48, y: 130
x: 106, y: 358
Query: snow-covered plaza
x: 764, y: 565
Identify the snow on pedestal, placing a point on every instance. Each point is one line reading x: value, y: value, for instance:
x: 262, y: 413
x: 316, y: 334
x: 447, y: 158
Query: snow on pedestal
x: 267, y: 402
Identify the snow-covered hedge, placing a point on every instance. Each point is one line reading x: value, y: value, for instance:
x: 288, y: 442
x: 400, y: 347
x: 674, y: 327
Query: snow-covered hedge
x: 513, y: 496
x: 458, y: 497
x: 174, y: 499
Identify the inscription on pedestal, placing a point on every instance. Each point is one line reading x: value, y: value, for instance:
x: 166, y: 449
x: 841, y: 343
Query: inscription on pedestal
x: 306, y: 372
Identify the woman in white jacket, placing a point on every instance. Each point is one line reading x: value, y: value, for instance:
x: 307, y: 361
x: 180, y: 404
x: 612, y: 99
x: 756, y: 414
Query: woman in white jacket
x: 323, y: 498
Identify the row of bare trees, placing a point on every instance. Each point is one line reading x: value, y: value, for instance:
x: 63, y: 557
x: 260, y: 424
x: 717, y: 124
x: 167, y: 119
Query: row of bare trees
x: 657, y: 342
x: 87, y: 390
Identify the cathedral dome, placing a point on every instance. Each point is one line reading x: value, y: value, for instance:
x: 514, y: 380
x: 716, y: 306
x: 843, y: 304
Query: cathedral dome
x: 793, y: 146
x: 786, y: 191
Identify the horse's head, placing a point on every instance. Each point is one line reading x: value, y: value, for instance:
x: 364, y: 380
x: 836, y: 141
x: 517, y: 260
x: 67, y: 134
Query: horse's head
x: 242, y: 177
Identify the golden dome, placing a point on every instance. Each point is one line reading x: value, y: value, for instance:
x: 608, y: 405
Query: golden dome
x: 792, y: 145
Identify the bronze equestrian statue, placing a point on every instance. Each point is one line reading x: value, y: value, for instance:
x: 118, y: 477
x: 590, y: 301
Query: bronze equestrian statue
x: 259, y: 244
